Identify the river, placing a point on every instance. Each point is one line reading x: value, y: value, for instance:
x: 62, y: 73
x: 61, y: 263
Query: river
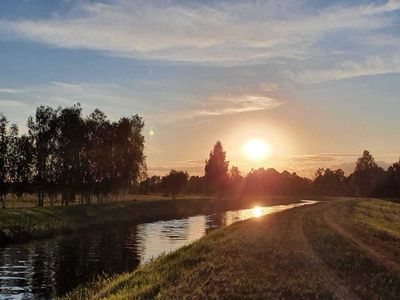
x: 48, y: 268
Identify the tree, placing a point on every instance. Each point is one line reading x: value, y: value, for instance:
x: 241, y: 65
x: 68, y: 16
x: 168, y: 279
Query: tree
x: 196, y: 185
x: 330, y: 183
x: 150, y: 185
x: 128, y: 153
x: 70, y: 140
x: 367, y: 175
x: 43, y: 132
x: 174, y: 182
x: 3, y: 158
x: 98, y: 155
x: 390, y: 187
x: 24, y: 166
x: 216, y: 170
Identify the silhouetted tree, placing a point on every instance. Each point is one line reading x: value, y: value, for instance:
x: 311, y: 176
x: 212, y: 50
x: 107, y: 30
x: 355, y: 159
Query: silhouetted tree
x: 70, y: 140
x: 174, y: 182
x: 3, y: 158
x: 76, y: 156
x: 196, y: 185
x: 67, y: 154
x: 216, y: 170
x: 98, y: 155
x: 150, y: 185
x: 42, y: 131
x: 330, y: 183
x: 128, y: 156
x: 390, y: 186
x: 367, y: 175
x: 24, y: 166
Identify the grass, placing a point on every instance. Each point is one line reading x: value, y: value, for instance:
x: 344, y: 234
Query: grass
x: 334, y: 249
x: 30, y: 200
x: 23, y: 224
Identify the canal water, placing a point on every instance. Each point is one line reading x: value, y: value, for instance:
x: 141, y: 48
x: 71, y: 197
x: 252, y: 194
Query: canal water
x: 48, y: 268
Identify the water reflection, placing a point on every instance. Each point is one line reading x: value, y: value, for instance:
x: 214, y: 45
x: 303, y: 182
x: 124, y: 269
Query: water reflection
x: 257, y: 212
x: 49, y: 268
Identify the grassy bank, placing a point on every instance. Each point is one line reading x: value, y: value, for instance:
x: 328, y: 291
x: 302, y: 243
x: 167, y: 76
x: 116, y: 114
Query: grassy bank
x: 22, y: 224
x: 344, y: 249
x: 30, y: 200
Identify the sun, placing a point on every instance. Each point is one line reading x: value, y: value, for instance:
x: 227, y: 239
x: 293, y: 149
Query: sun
x: 256, y: 150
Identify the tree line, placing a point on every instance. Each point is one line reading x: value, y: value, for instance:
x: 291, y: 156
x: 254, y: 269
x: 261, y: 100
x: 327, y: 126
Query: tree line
x: 64, y: 153
x: 367, y: 180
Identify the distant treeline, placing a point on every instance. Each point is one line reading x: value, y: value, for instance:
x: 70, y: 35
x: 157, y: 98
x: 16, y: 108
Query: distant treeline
x: 65, y: 154
x: 367, y: 180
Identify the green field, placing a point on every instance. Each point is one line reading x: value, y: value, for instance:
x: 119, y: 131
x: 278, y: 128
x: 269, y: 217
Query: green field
x: 344, y: 248
x: 23, y: 224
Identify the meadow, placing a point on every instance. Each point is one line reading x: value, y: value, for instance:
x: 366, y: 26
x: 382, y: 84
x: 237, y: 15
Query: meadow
x: 343, y: 248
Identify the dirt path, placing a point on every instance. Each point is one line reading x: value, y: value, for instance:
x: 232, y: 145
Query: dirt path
x: 372, y: 252
x: 337, y: 286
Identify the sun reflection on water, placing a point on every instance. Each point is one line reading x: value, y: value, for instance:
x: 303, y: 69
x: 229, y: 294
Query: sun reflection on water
x: 257, y: 211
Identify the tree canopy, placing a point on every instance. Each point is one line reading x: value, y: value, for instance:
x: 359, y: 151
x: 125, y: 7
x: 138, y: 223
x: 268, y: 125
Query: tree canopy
x: 216, y: 169
x: 69, y: 155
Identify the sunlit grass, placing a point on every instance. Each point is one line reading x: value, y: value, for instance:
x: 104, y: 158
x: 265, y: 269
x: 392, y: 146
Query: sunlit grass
x: 380, y: 215
x: 267, y: 258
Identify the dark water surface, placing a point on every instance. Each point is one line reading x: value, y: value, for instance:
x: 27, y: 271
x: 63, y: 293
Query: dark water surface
x: 49, y: 268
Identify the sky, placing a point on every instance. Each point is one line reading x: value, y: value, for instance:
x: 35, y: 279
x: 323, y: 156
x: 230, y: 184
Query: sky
x: 319, y: 81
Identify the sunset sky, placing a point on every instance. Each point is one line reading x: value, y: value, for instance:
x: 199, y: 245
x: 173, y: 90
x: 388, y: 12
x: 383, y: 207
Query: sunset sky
x: 319, y: 81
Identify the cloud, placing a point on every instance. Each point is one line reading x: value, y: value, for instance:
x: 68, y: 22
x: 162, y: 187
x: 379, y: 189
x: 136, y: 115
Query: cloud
x: 8, y: 91
x: 376, y: 65
x: 224, y: 105
x: 221, y: 104
x: 223, y: 32
x: 4, y: 103
x: 90, y: 95
x: 117, y: 100
x: 317, y: 158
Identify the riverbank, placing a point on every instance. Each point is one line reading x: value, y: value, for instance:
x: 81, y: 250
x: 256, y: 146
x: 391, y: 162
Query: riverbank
x: 24, y: 224
x: 345, y: 248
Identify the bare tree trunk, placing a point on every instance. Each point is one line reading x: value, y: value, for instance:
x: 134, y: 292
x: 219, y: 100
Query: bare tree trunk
x: 40, y: 199
x: 52, y: 198
x: 63, y: 198
x: 88, y: 198
x: 3, y: 201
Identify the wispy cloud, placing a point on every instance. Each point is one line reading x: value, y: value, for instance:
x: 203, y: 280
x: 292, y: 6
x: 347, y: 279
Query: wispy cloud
x: 114, y: 99
x: 8, y: 91
x: 222, y: 32
x: 220, y: 105
x: 223, y: 105
x: 317, y: 158
x: 375, y: 65
x: 119, y: 100
x: 11, y: 103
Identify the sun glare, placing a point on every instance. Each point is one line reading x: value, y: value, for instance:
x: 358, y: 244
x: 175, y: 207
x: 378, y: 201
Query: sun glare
x: 257, y: 212
x: 256, y: 150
